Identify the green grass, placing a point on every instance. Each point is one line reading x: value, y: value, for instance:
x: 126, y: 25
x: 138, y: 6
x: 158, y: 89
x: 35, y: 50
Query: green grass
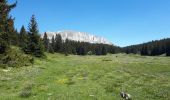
x: 60, y: 77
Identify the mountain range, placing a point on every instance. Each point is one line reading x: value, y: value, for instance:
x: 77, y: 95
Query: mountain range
x: 79, y: 36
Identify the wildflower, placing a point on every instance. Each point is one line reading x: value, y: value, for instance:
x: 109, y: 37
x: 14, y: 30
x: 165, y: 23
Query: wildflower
x: 80, y: 78
x: 62, y: 81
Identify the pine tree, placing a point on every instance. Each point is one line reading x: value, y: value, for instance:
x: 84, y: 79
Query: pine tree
x: 6, y: 24
x: 39, y: 49
x: 58, y: 43
x: 112, y: 49
x: 46, y: 41
x: 168, y: 47
x: 53, y: 43
x: 66, y: 47
x: 34, y: 45
x: 144, y: 50
x: 51, y: 49
x: 81, y: 50
x: 98, y: 49
x: 14, y: 38
x: 23, y: 37
x: 104, y: 50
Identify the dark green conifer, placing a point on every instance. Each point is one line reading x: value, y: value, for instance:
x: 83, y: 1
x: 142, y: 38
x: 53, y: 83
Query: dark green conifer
x: 104, y: 50
x: 34, y: 45
x: 6, y: 25
x: 23, y: 37
x: 46, y: 42
x: 58, y: 43
x: 53, y: 42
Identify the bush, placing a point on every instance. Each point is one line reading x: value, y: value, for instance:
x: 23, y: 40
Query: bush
x: 26, y: 91
x: 14, y: 57
x: 89, y: 53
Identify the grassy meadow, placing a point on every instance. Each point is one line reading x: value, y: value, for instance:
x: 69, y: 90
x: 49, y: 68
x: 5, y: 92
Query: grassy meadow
x: 60, y: 77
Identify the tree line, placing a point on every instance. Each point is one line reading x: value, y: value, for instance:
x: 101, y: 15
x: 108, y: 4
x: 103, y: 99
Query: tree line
x: 153, y: 48
x: 57, y: 44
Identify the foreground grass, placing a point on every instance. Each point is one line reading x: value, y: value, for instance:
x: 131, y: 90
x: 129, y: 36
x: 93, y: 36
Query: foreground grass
x: 60, y: 77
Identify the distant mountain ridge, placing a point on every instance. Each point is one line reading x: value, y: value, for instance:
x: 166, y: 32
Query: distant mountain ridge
x: 79, y: 36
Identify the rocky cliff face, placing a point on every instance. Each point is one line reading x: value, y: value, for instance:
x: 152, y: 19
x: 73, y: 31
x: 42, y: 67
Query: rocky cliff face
x: 79, y: 36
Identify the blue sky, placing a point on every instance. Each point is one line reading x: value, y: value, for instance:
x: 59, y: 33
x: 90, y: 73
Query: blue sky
x: 123, y: 22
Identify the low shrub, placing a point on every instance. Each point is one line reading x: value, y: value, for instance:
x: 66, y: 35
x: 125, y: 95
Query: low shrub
x: 26, y: 91
x: 14, y: 57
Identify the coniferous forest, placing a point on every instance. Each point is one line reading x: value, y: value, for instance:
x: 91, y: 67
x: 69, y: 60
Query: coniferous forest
x: 153, y: 48
x: 56, y: 44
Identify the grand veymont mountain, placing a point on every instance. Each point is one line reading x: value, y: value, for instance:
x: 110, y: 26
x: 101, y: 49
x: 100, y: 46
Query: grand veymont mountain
x: 79, y: 36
